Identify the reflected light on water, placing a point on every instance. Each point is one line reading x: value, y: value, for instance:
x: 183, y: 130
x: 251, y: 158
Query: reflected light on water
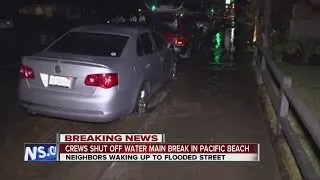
x: 232, y: 36
x: 217, y: 48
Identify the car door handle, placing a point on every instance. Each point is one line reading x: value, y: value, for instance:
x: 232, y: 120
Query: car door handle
x: 147, y: 66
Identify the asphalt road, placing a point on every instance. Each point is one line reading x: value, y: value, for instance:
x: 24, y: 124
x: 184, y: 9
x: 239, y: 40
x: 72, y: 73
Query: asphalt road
x: 202, y: 105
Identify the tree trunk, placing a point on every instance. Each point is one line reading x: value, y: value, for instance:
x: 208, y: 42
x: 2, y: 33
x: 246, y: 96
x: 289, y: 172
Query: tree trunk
x: 267, y: 13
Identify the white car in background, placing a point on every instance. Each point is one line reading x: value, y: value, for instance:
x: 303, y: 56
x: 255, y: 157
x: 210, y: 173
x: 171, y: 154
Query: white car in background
x: 5, y: 24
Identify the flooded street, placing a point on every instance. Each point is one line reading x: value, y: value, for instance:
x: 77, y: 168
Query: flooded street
x: 207, y: 103
x: 221, y: 51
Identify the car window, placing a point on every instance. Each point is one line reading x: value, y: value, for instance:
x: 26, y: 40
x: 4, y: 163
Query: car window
x: 160, y: 42
x: 92, y: 44
x: 147, y: 45
x: 139, y: 48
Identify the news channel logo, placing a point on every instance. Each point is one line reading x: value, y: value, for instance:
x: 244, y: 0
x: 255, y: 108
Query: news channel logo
x: 40, y: 152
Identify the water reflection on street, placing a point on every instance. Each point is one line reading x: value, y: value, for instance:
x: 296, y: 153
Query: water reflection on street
x: 217, y: 50
x: 223, y: 40
x: 223, y: 46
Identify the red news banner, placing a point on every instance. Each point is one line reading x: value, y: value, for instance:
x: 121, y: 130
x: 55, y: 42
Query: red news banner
x: 148, y: 147
x: 111, y: 138
x: 157, y: 148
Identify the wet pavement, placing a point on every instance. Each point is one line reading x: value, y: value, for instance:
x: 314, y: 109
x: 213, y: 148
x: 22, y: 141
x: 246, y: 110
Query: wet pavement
x: 208, y: 103
x: 207, y: 106
x: 204, y: 104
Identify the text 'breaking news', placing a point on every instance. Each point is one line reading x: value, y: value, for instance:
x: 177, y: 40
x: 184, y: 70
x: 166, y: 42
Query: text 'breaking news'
x: 136, y: 148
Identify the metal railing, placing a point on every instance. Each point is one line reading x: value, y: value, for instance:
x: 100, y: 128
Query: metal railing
x: 284, y: 98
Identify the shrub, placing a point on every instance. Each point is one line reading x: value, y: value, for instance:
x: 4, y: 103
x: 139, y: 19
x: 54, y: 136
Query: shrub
x: 308, y: 46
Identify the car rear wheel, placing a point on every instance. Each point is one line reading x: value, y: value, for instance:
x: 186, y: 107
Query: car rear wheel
x: 142, y: 100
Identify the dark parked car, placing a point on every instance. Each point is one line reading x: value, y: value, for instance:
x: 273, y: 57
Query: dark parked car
x: 179, y: 30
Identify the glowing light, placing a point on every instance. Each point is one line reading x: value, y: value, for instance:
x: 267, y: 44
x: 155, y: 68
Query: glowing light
x: 218, y: 40
x: 217, y: 48
x: 254, y: 34
x: 232, y: 37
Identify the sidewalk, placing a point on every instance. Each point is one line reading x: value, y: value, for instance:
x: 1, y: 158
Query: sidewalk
x: 204, y: 106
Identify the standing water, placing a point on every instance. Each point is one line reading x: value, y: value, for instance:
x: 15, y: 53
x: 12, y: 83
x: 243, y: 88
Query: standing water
x: 223, y: 49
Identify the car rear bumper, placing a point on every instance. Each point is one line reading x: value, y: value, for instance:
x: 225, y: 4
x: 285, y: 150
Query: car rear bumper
x: 71, y: 114
x: 73, y: 106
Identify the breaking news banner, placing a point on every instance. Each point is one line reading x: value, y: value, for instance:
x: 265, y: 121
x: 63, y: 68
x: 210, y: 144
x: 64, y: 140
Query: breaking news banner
x: 135, y: 147
x: 111, y: 138
x: 159, y: 152
x: 40, y: 152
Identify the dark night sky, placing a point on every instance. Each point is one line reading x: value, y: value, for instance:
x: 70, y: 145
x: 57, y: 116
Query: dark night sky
x: 121, y: 3
x: 105, y: 5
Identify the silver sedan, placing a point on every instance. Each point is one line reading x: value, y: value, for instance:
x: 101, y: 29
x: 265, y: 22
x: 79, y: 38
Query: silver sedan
x: 96, y: 73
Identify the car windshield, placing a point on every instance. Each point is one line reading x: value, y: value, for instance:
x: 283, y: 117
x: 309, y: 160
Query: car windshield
x: 166, y: 26
x: 92, y: 44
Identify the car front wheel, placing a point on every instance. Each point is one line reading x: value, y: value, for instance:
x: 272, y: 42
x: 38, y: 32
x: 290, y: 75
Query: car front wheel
x: 142, y: 100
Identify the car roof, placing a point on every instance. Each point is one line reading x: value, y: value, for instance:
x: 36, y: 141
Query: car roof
x: 125, y: 30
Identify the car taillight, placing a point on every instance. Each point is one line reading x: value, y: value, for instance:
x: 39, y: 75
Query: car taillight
x: 106, y: 80
x: 26, y: 72
x: 180, y: 41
